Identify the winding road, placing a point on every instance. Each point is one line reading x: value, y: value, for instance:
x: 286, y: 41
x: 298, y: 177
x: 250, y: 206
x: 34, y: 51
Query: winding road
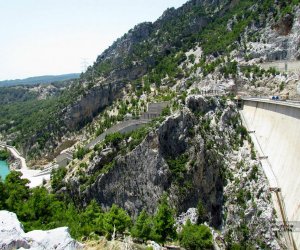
x: 36, y: 177
x: 16, y: 154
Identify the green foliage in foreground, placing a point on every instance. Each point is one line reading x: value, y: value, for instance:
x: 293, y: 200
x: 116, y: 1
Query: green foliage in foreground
x: 116, y: 219
x: 195, y: 237
x: 4, y: 154
x: 37, y: 209
x: 160, y: 227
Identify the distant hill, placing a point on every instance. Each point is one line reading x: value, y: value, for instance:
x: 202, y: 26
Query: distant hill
x: 39, y: 80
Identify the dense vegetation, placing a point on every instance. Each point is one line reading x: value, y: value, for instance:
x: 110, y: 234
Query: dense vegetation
x: 17, y: 94
x: 37, y: 209
x: 36, y: 117
x: 4, y: 154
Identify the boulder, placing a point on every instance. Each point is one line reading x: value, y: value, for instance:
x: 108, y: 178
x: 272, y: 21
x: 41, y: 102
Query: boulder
x: 12, y: 236
x: 58, y: 238
x: 11, y: 232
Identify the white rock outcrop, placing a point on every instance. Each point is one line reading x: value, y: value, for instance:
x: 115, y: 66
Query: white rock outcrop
x: 191, y: 214
x: 12, y: 236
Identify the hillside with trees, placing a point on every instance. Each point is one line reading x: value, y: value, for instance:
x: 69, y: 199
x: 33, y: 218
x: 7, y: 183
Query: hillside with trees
x: 190, y: 176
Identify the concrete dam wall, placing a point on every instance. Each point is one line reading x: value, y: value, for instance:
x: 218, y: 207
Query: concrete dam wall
x: 277, y: 131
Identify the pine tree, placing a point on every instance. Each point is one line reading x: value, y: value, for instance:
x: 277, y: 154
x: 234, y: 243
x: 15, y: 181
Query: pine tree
x: 164, y: 222
x: 92, y: 219
x: 201, y: 213
x: 142, y: 226
x: 118, y: 218
x: 17, y: 191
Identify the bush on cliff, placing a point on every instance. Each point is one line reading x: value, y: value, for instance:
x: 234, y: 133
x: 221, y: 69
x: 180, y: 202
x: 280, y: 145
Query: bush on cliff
x: 195, y: 237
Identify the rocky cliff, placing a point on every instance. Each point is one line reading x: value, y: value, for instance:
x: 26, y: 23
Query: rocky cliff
x: 199, y: 155
x: 90, y: 104
x: 173, y: 159
x: 138, y: 51
x: 140, y: 178
x: 278, y: 39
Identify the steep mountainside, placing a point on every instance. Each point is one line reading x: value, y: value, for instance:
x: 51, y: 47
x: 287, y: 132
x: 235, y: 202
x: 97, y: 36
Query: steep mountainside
x: 156, y: 54
x: 196, y: 156
x: 127, y: 59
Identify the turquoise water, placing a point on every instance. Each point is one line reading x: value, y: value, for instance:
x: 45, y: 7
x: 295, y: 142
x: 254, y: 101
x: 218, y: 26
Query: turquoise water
x: 4, y: 170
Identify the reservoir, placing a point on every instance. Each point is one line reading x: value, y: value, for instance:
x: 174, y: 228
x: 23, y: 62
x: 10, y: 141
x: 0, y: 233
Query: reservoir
x: 4, y: 170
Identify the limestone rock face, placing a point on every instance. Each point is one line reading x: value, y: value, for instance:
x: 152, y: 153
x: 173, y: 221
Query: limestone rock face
x: 123, y: 47
x: 90, y: 104
x: 281, y: 40
x: 191, y: 214
x: 173, y: 134
x: 139, y: 179
x: 12, y: 236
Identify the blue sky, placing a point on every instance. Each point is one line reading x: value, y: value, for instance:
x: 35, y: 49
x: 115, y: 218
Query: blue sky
x: 40, y: 37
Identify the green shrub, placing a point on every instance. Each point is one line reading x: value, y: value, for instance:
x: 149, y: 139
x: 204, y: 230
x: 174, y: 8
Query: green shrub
x: 114, y: 139
x: 80, y: 153
x: 57, y: 177
x: 178, y: 166
x: 4, y: 155
x: 253, y: 173
x: 195, y: 237
x: 166, y: 111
